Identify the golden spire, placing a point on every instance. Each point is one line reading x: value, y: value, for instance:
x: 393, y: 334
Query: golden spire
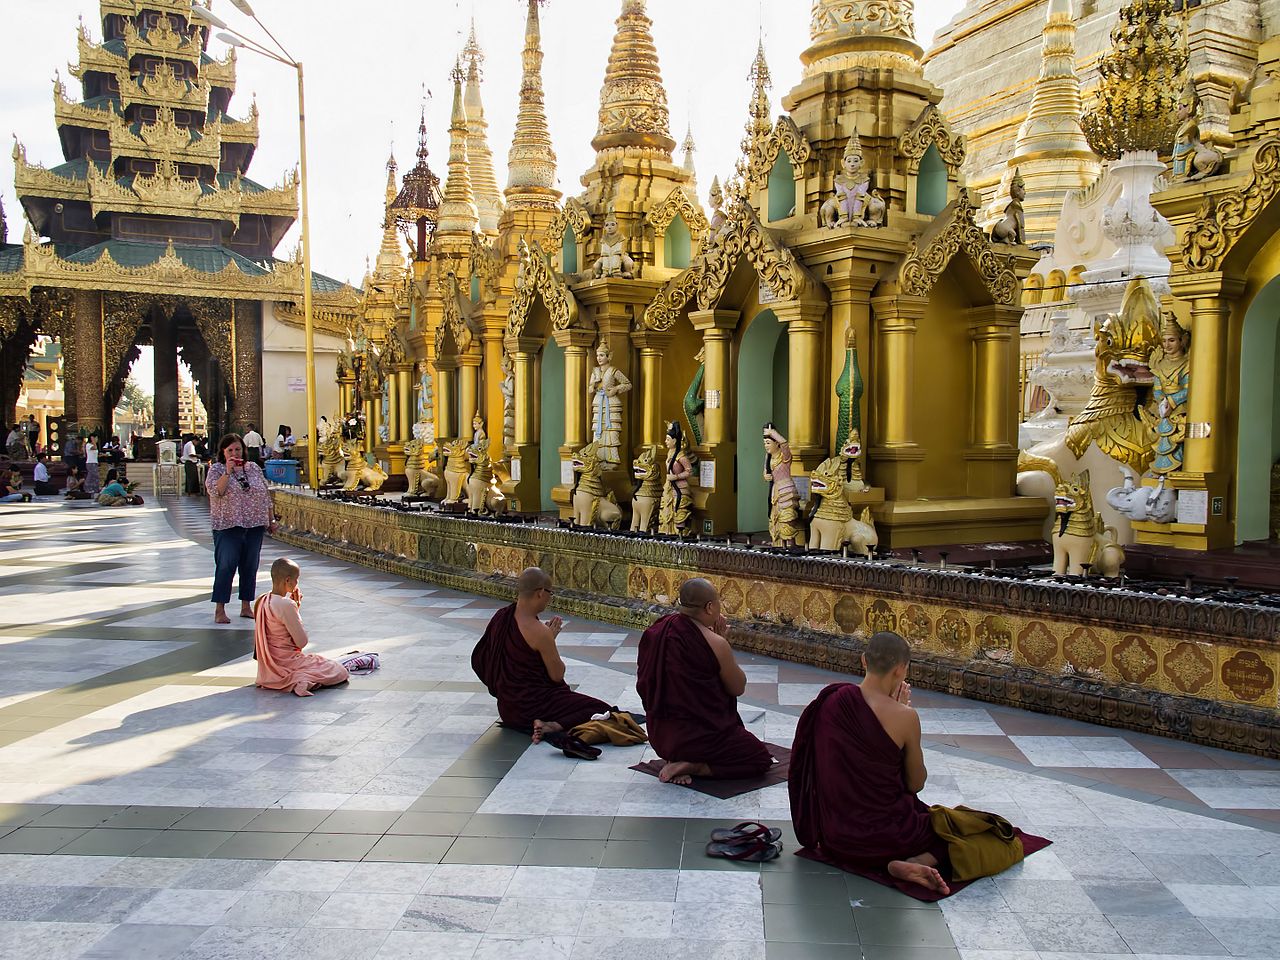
x: 633, y: 101
x: 760, y: 122
x: 531, y: 164
x: 390, y: 264
x: 845, y: 35
x: 689, y: 148
x: 1141, y: 78
x: 480, y: 158
x: 1053, y: 122
x: 458, y: 214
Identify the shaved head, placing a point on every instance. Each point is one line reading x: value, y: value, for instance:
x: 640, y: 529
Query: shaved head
x: 885, y: 652
x: 697, y: 593
x: 284, y: 570
x: 531, y: 581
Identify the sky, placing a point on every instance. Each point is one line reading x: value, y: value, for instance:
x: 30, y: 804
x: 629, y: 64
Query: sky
x: 367, y: 66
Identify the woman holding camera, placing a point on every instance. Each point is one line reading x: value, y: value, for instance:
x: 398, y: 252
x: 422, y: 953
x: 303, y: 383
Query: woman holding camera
x: 240, y: 510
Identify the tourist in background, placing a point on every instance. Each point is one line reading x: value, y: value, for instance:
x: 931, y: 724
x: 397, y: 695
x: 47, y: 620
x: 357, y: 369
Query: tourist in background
x: 32, y: 431
x: 73, y: 453
x: 92, y: 481
x: 75, y: 484
x: 190, y: 465
x: 253, y: 445
x: 240, y: 512
x: 16, y: 443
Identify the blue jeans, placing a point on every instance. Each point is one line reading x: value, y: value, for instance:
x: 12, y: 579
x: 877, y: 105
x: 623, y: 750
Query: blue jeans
x: 236, y: 549
x: 11, y: 498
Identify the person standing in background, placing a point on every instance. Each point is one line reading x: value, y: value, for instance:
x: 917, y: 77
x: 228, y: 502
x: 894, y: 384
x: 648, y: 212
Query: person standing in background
x: 92, y: 481
x: 253, y: 446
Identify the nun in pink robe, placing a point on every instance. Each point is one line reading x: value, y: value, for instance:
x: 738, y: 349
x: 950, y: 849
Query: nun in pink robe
x: 278, y: 639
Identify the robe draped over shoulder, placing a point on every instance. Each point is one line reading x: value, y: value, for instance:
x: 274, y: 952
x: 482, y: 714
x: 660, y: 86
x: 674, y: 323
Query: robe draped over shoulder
x: 278, y: 639
x: 517, y: 678
x: 690, y: 715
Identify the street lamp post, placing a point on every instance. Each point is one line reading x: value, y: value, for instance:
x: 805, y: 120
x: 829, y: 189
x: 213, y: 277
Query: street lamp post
x: 235, y: 39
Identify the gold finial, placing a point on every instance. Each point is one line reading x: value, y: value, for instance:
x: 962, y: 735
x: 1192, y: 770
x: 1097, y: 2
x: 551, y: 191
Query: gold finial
x: 473, y: 54
x: 531, y: 164
x: 845, y: 34
x: 1140, y: 81
x: 633, y: 101
x: 759, y: 123
x: 854, y: 147
x: 458, y: 214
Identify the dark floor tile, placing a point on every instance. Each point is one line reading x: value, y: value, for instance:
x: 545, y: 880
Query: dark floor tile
x: 487, y: 850
x: 462, y: 787
x: 38, y: 839
x: 132, y: 940
x: 104, y: 842
x: 184, y: 843
x: 564, y: 853
x: 876, y: 951
x: 148, y: 818
x: 501, y: 825
x: 649, y: 829
x: 333, y: 846
x: 574, y: 828
x: 1135, y: 899
x: 641, y: 854
x: 809, y: 923
x: 286, y: 821
x: 436, y: 804
x: 810, y: 951
x: 20, y: 814
x: 78, y: 815
x: 903, y: 928
x: 821, y: 888
x: 258, y: 846
x: 359, y: 821
x: 218, y: 818
x: 871, y: 895
x: 480, y: 768
x: 404, y: 849
x: 429, y: 824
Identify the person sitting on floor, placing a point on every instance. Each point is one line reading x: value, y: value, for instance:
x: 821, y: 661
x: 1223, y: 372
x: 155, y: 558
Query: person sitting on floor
x: 689, y: 683
x: 278, y: 639
x: 42, y: 486
x: 115, y: 494
x: 518, y: 662
x: 75, y: 484
x: 11, y: 488
x: 856, y: 767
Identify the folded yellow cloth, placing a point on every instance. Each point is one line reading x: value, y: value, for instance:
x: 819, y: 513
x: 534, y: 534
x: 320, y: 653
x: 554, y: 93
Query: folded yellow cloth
x: 620, y: 729
x: 979, y: 844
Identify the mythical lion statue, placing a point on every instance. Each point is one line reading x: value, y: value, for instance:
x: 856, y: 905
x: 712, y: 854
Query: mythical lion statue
x: 647, y: 469
x: 833, y: 524
x: 361, y: 474
x: 592, y: 506
x: 1080, y: 537
x: 457, y: 468
x: 333, y: 459
x: 481, y: 497
x: 420, y: 455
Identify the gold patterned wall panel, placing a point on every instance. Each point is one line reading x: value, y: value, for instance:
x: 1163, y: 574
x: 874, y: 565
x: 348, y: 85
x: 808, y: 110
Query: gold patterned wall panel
x: 1249, y: 676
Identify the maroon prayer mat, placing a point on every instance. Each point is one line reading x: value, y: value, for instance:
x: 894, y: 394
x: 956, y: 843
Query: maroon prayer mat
x: 1030, y: 844
x: 727, y: 789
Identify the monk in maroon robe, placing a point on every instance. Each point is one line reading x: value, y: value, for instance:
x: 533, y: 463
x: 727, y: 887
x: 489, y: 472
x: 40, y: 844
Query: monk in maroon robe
x: 856, y: 767
x: 690, y: 684
x: 518, y: 661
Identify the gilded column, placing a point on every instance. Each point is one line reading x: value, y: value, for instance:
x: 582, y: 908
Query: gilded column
x: 717, y: 328
x: 446, y: 397
x: 347, y: 394
x: 165, y: 370
x: 1207, y: 399
x: 87, y: 377
x: 651, y: 345
x: 404, y: 392
x: 493, y: 403
x: 896, y: 455
x: 577, y: 360
x: 393, y: 408
x: 993, y: 454
x: 525, y: 483
x: 468, y: 392
x: 809, y: 383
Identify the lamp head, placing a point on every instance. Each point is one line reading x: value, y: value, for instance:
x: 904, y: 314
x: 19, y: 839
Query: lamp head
x: 231, y: 40
x: 208, y: 16
x: 243, y: 7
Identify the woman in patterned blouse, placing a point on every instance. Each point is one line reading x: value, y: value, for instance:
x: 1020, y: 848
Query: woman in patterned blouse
x: 240, y: 510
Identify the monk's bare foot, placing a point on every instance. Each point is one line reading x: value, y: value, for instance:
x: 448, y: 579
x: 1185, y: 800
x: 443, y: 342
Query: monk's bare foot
x: 542, y: 728
x: 220, y: 614
x: 682, y: 772
x: 919, y: 873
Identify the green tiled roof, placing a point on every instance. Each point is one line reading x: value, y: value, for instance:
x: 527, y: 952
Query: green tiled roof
x: 11, y: 257
x: 131, y: 254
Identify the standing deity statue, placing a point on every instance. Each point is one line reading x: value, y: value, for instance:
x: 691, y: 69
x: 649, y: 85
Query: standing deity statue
x: 1168, y: 421
x: 479, y: 436
x: 675, y: 512
x: 605, y: 390
x: 508, y: 390
x: 384, y: 426
x: 855, y: 204
x: 614, y: 260
x: 718, y: 219
x: 1013, y: 227
x: 1192, y: 160
x: 784, y: 500
x: 426, y: 401
x: 394, y: 351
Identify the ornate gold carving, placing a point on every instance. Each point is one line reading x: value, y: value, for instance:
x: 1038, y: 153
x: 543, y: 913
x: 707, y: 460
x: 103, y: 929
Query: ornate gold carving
x: 1083, y: 650
x: 572, y: 214
x: 1188, y: 667
x: 953, y: 631
x: 94, y: 58
x: 930, y: 129
x: 915, y: 625
x: 921, y: 270
x: 457, y: 319
x: 679, y: 203
x: 159, y: 41
x: 665, y: 309
x: 67, y: 112
x: 1222, y: 220
x: 1134, y: 659
x: 165, y: 87
x: 633, y: 101
x: 487, y: 265
x: 763, y: 154
x: 1037, y: 644
x: 536, y: 278
x: 776, y: 265
x: 214, y: 321
x: 884, y: 17
x: 122, y: 316
x: 881, y: 617
x: 165, y: 139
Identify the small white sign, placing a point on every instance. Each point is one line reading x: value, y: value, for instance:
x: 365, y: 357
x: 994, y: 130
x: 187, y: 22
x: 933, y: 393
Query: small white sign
x: 566, y: 472
x: 766, y: 294
x: 707, y: 474
x: 802, y: 488
x: 515, y: 469
x: 297, y: 384
x: 712, y: 398
x: 1193, y: 506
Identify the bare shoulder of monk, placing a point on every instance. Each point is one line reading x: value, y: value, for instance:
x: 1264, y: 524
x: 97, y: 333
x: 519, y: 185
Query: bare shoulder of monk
x: 536, y: 633
x: 899, y: 720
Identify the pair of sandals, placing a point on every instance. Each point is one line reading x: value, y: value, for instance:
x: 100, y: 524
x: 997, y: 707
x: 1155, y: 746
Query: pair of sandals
x: 749, y: 841
x: 572, y: 746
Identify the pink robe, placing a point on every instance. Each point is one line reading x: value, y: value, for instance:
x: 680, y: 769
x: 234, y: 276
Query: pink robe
x: 278, y: 639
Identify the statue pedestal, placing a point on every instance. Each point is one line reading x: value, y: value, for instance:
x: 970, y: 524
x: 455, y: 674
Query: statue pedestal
x: 523, y: 488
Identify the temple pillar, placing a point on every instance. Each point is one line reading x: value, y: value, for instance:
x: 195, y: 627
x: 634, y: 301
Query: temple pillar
x: 524, y: 485
x: 895, y: 457
x: 718, y: 447
x: 577, y: 346
x: 850, y: 309
x: 347, y: 394
x: 86, y: 378
x: 446, y: 399
x: 993, y: 452
x: 651, y: 345
x: 165, y: 369
x: 808, y: 398
x: 495, y: 324
x: 404, y: 394
x: 1207, y: 397
x: 468, y: 392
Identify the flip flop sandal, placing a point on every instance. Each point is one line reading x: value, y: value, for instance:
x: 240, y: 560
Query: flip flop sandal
x: 747, y: 830
x: 754, y: 851
x: 572, y: 746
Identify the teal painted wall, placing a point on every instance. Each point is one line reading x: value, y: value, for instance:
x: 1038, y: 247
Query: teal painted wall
x: 763, y: 383
x: 782, y: 188
x: 475, y: 288
x: 551, y: 425
x: 1259, y: 444
x: 569, y: 251
x: 678, y: 244
x: 931, y: 183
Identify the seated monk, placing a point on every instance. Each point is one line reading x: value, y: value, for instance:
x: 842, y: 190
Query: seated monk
x: 518, y: 661
x: 856, y: 767
x: 278, y: 639
x: 690, y: 684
